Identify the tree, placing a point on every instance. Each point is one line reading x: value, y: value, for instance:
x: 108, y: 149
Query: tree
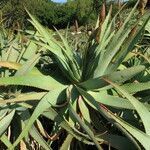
x: 97, y: 4
x: 14, y: 11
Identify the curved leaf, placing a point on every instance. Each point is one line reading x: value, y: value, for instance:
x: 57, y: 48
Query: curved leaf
x: 136, y: 133
x: 136, y: 87
x: 17, y: 66
x: 140, y: 108
x: 41, y: 82
x: 5, y: 122
x: 118, y: 77
x: 47, y: 101
x: 67, y: 142
x: 5, y: 140
x: 85, y: 127
x: 110, y: 100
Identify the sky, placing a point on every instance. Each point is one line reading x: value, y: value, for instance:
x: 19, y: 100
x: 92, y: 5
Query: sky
x: 59, y: 1
x: 62, y: 1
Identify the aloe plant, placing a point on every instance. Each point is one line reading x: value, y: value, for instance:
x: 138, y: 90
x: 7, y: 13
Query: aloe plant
x: 91, y: 95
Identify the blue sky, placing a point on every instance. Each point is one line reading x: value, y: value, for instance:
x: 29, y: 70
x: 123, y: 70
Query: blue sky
x: 59, y: 1
x: 62, y: 1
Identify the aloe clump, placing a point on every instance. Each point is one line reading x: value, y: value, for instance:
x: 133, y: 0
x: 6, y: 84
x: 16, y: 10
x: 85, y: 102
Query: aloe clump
x: 92, y: 95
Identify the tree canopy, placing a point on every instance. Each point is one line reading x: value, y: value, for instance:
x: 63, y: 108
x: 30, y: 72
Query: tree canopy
x: 49, y: 13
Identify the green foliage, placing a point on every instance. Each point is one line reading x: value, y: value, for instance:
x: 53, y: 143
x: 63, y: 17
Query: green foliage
x: 14, y: 11
x: 89, y: 94
x: 48, y: 13
x: 84, y: 11
x: 131, y: 3
x: 63, y: 15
